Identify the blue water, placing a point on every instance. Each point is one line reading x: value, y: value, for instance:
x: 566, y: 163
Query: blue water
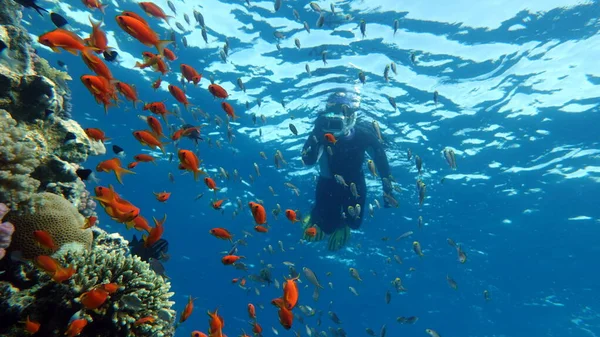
x: 518, y: 102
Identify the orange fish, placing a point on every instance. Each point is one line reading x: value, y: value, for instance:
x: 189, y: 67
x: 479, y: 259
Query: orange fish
x: 278, y: 302
x: 44, y: 239
x: 62, y: 38
x: 261, y: 229
x: 76, y: 327
x: 111, y: 288
x: 184, y: 132
x: 98, y: 37
x: 116, y: 207
x: 190, y: 74
x: 144, y: 320
x: 155, y: 126
x: 128, y: 91
x: 221, y: 233
x: 229, y: 110
x: 187, y: 311
x: 94, y: 4
x: 96, y: 134
x: 258, y: 212
x: 89, y: 222
x: 210, y: 183
x: 94, y: 298
x: 286, y: 318
x: 162, y: 196
x: 135, y: 16
x: 115, y: 166
x: 154, y: 10
x: 157, y: 108
x: 140, y: 31
x: 148, y: 139
x: 47, y: 263
x: 215, y: 324
x: 132, y: 165
x: 155, y: 233
x: 101, y: 89
x: 256, y: 328
x: 242, y: 283
x: 197, y: 333
x: 251, y: 311
x: 63, y: 274
x: 217, y: 204
x: 157, y: 62
x: 169, y: 54
x: 230, y: 259
x: 190, y: 162
x: 179, y: 95
x: 96, y: 65
x: 330, y: 138
x: 290, y: 293
x: 145, y: 158
x: 217, y: 91
x: 291, y: 215
x: 311, y: 232
x: 156, y: 84
x: 31, y: 326
x: 140, y: 223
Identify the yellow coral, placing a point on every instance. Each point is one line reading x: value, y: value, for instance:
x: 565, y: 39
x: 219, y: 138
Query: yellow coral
x: 54, y: 214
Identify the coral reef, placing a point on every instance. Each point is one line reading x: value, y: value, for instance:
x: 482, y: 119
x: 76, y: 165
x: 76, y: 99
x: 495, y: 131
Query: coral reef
x: 6, y: 231
x: 53, y: 214
x: 27, y: 291
x: 34, y: 110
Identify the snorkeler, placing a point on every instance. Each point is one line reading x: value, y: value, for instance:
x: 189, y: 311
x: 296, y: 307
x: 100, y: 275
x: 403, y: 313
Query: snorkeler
x: 341, y: 184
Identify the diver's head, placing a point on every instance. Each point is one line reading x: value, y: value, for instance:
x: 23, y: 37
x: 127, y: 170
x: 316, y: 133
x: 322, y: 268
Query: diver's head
x: 339, y: 116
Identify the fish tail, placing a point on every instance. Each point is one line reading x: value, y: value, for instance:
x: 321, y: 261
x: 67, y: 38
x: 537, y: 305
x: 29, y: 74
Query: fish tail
x: 119, y: 173
x: 160, y: 46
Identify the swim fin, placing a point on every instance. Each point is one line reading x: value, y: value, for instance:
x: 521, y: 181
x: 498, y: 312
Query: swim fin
x: 339, y: 238
x: 306, y: 223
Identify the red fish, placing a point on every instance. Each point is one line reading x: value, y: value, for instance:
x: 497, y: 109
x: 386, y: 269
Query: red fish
x: 187, y: 311
x: 210, y: 183
x: 251, y: 311
x: 89, y: 222
x: 94, y: 4
x: 221, y: 233
x: 197, y: 333
x: 148, y: 139
x: 170, y: 55
x: 291, y: 215
x: 162, y: 196
x: 62, y: 38
x: 63, y: 274
x: 215, y: 324
x: 156, y: 232
x: 217, y: 204
x: 141, y: 32
x: 217, y: 91
x: 132, y: 165
x: 135, y: 16
x: 330, y: 138
x: 258, y: 212
x: 96, y: 134
x: 261, y: 229
x: 286, y: 318
x: 94, y: 298
x: 76, y: 327
x: 155, y: 125
x: 311, y: 232
x: 157, y: 108
x: 146, y: 158
x: 144, y: 320
x: 44, y: 239
x: 190, y: 74
x: 114, y: 165
x: 229, y: 110
x: 179, y: 95
x: 290, y: 293
x: 111, y: 288
x: 98, y: 37
x: 190, y: 162
x: 49, y: 264
x: 230, y: 259
x: 184, y: 132
x: 96, y: 65
x: 31, y: 326
x: 156, y: 84
x: 128, y: 91
x: 140, y: 223
x: 154, y: 10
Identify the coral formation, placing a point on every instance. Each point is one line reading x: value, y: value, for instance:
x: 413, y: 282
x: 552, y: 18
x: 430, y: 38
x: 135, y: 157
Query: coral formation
x: 34, y: 110
x: 6, y: 231
x: 142, y: 293
x: 53, y: 214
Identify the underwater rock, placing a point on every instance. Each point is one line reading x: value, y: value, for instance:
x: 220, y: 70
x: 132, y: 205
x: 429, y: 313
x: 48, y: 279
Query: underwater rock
x: 6, y: 231
x: 34, y: 104
x: 27, y: 291
x: 53, y: 214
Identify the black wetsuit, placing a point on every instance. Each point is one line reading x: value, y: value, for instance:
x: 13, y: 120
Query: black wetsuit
x: 348, y: 160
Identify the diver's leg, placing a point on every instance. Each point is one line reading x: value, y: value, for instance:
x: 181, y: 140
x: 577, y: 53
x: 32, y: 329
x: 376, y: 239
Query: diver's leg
x: 325, y: 214
x: 340, y: 237
x: 361, y: 188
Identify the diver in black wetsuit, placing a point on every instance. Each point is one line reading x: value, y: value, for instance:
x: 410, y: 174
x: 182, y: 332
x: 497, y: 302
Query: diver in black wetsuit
x: 330, y: 212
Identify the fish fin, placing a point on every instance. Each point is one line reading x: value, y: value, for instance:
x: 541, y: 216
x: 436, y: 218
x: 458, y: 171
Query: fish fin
x: 160, y: 46
x: 119, y: 171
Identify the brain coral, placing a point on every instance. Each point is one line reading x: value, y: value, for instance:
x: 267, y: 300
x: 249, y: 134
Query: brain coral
x: 29, y: 292
x: 54, y: 214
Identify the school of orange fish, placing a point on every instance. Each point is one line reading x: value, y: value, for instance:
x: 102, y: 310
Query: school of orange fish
x: 105, y: 89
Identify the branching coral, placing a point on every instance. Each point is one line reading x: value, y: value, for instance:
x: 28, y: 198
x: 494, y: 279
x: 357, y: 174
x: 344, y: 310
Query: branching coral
x: 142, y: 293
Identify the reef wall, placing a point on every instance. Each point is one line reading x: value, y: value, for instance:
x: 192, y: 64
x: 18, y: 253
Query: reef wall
x: 34, y: 121
x: 40, y: 187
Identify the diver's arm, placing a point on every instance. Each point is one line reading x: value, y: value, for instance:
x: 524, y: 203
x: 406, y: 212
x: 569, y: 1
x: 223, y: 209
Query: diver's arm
x: 310, y: 151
